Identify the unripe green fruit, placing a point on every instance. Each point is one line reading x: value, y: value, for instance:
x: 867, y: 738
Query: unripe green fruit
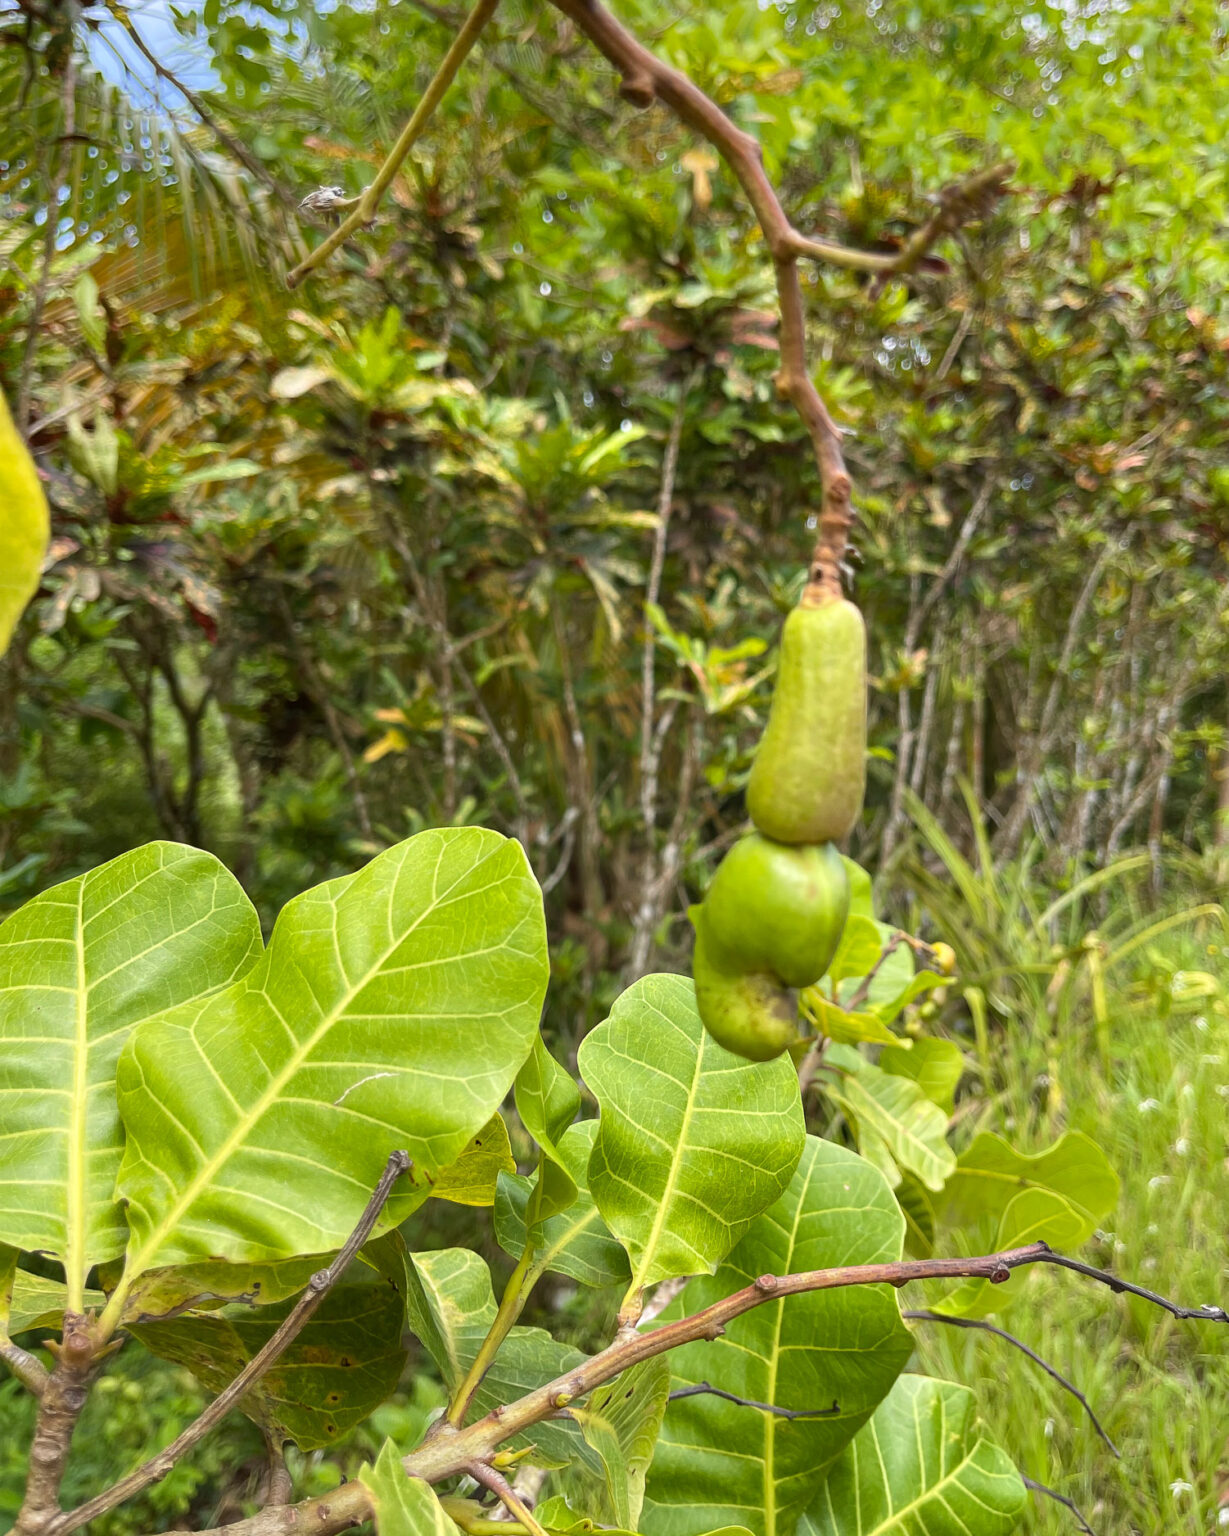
x: 751, y: 1015
x: 777, y: 909
x: 809, y: 775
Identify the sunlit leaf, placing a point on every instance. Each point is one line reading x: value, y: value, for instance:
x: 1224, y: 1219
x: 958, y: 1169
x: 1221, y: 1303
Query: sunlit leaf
x: 922, y: 1465
x: 693, y: 1141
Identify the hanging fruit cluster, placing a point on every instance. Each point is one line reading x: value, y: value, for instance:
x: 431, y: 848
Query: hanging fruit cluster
x: 773, y: 916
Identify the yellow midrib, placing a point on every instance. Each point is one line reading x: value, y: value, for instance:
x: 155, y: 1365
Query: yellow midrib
x: 74, y: 1246
x: 275, y: 1085
x: 770, y: 1419
x: 667, y: 1194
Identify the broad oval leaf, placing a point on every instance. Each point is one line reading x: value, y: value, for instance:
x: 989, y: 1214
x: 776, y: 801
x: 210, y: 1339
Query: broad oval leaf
x: 402, y: 1505
x: 840, y: 1024
x: 345, y: 1361
x: 451, y: 1306
x: 935, y: 1065
x: 720, y: 1462
x: 392, y: 1009
x: 81, y: 966
x: 990, y: 1172
x: 693, y: 1141
x: 1030, y: 1216
x: 36, y: 1302
x: 575, y: 1242
x: 214, y: 1283
x: 8, y: 1277
x: 920, y: 1465
x: 892, y: 1115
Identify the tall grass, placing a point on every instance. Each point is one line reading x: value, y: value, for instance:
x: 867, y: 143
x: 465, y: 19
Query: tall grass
x: 1098, y: 1012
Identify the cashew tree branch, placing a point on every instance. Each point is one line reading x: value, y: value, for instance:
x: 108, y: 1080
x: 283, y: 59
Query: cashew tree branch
x: 451, y: 1450
x: 645, y: 80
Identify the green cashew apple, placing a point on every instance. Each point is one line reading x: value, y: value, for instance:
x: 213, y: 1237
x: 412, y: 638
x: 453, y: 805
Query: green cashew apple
x: 809, y: 775
x: 777, y: 909
x: 750, y: 1014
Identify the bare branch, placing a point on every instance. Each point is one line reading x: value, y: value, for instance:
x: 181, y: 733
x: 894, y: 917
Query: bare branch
x: 1001, y: 1333
x: 60, y: 1404
x: 449, y: 1450
x: 1208, y: 1313
x: 703, y: 1389
x: 31, y: 1372
x: 1059, y: 1498
x: 364, y: 212
x: 318, y: 1288
x: 956, y: 204
x: 645, y: 80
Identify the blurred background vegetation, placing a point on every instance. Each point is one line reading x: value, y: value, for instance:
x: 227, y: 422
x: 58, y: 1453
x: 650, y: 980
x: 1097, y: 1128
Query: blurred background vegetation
x: 405, y: 547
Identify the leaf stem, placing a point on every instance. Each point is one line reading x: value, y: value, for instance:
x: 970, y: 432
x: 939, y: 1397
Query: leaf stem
x: 511, y: 1304
x: 507, y: 1496
x: 318, y: 1288
x: 364, y: 211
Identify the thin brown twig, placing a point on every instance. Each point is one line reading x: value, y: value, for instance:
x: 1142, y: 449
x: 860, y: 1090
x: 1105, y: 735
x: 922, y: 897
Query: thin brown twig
x: 704, y: 1389
x: 982, y: 1326
x: 318, y: 1288
x: 507, y: 1495
x: 645, y: 79
x: 1059, y: 1498
x: 864, y: 990
x: 365, y: 210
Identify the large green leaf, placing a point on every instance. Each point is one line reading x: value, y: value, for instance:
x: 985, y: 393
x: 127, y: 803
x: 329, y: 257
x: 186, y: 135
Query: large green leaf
x: 547, y: 1101
x: 844, y: 1026
x: 403, y: 1505
x: 1004, y: 1199
x: 896, y: 1124
x: 556, y: 1514
x: 474, y: 1177
x: 990, y: 1173
x: 159, y: 1292
x: 345, y: 1362
x: 576, y: 1242
x: 393, y: 1008
x: 451, y: 1306
x: 1033, y: 1215
x: 935, y: 1065
x: 693, y: 1141
x: 36, y: 1302
x: 921, y: 1467
x: 719, y: 1462
x: 80, y: 966
x: 621, y: 1422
